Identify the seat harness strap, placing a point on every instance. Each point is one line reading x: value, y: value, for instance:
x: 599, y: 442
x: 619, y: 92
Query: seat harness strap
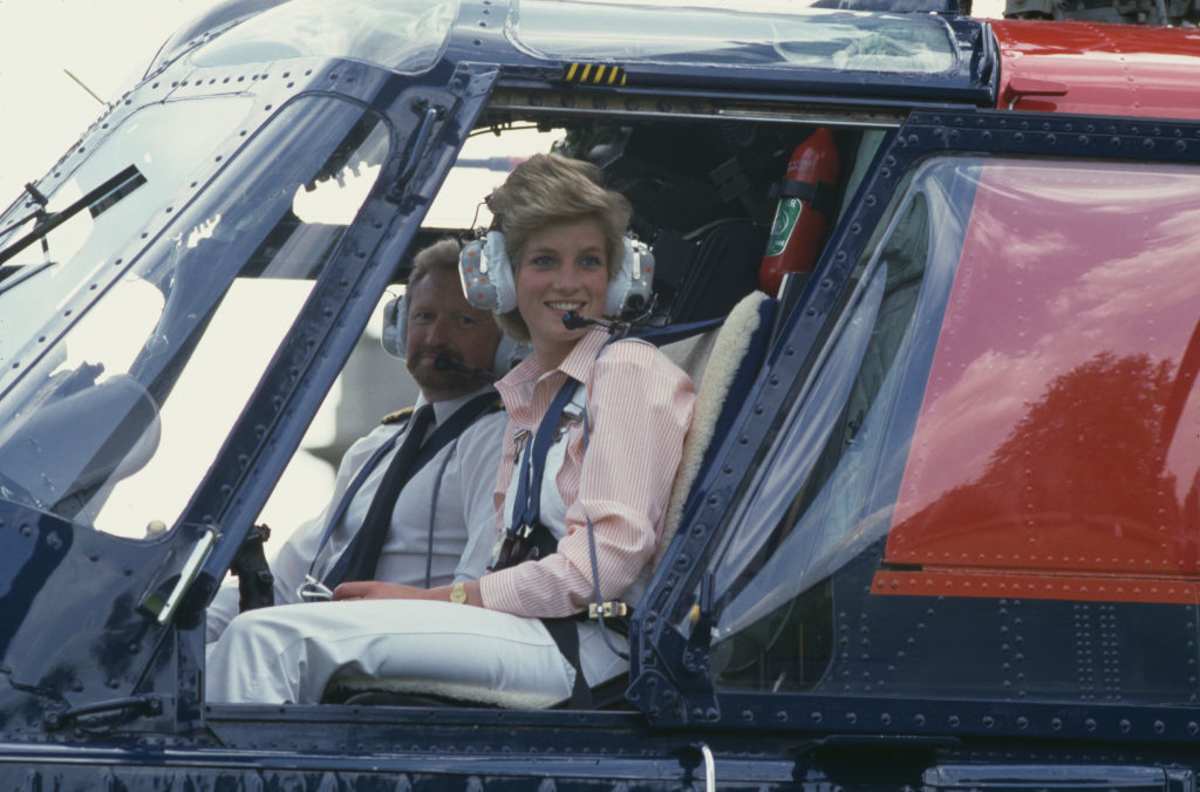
x: 526, y: 537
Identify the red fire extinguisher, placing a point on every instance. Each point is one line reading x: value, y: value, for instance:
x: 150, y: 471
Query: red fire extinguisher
x: 805, y: 208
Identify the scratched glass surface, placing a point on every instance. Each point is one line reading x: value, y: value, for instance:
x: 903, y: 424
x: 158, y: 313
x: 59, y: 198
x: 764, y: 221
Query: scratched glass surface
x: 166, y: 144
x: 800, y: 37
x: 127, y: 402
x: 406, y: 36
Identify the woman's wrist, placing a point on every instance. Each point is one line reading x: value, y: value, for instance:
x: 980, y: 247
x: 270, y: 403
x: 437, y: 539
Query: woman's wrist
x: 464, y: 593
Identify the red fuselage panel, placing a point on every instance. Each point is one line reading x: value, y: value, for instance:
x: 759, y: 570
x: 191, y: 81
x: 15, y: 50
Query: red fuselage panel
x: 1120, y: 70
x: 1058, y: 431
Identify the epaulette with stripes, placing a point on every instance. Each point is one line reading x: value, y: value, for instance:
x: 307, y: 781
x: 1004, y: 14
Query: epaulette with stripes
x: 397, y: 416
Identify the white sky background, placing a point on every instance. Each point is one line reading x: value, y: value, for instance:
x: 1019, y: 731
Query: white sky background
x: 106, y: 44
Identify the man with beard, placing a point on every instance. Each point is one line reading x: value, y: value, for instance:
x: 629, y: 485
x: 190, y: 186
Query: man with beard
x: 409, y: 495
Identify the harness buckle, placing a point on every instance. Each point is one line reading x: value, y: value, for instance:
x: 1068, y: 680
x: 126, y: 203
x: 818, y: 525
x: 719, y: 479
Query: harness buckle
x: 313, y: 590
x: 613, y: 609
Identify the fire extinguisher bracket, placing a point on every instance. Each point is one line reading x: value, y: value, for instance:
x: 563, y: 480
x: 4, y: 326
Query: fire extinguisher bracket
x: 821, y: 196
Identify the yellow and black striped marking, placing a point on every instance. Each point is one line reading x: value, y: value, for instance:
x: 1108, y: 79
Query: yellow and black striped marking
x: 595, y: 74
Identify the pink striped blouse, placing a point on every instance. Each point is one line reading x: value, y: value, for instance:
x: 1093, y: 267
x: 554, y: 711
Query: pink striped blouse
x: 639, y: 405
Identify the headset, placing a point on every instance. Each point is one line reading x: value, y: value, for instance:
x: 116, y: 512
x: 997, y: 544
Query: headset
x: 394, y: 339
x: 488, y: 281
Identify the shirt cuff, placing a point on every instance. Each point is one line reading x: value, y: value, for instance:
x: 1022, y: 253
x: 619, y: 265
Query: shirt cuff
x: 500, y: 591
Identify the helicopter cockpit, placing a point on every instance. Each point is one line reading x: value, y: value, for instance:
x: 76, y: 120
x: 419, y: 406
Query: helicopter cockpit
x: 167, y: 344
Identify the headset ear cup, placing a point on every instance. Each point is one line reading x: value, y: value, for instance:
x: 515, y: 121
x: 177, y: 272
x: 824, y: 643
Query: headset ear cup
x: 394, y: 336
x: 631, y: 288
x: 487, y: 275
x: 618, y: 287
x: 500, y: 269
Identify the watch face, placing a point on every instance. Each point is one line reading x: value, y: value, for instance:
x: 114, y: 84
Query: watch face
x: 458, y: 593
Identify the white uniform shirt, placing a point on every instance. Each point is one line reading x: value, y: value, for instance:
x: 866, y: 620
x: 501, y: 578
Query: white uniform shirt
x: 462, y: 474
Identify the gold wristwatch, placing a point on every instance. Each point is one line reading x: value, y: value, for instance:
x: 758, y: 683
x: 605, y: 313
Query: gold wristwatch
x: 458, y: 594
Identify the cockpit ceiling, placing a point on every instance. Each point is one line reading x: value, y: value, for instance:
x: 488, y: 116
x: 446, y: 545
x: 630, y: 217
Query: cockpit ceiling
x: 567, y: 102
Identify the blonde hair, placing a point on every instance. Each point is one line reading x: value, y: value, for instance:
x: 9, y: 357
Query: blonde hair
x: 550, y: 189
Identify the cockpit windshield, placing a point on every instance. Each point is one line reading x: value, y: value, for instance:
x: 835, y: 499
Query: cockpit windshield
x: 160, y: 304
x: 800, y: 38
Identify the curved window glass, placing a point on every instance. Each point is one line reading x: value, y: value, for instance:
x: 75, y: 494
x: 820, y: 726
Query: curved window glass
x: 406, y: 36
x: 803, y: 37
x: 996, y: 444
x: 167, y: 145
x: 120, y: 414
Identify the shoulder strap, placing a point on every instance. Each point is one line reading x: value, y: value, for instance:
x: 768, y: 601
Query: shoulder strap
x: 669, y: 334
x: 527, y: 510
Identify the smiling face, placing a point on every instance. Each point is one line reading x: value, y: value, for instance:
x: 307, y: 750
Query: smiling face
x: 562, y: 267
x: 441, y: 322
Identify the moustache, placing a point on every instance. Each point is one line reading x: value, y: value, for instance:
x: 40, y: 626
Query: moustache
x: 443, y: 362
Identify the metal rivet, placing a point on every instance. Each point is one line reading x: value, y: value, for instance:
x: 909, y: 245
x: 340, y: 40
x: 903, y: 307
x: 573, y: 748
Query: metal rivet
x: 1125, y: 726
x: 1056, y: 724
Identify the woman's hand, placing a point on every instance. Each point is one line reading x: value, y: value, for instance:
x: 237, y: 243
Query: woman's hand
x: 376, y: 589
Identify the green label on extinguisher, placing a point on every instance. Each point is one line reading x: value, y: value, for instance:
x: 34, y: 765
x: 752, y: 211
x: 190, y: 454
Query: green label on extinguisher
x: 781, y: 230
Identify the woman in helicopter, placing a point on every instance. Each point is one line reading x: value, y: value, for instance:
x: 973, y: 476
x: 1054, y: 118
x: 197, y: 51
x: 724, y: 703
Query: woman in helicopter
x: 613, y: 416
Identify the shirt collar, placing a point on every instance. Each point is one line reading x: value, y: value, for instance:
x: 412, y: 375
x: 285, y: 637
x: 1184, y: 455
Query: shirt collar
x: 447, y: 407
x: 577, y: 364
